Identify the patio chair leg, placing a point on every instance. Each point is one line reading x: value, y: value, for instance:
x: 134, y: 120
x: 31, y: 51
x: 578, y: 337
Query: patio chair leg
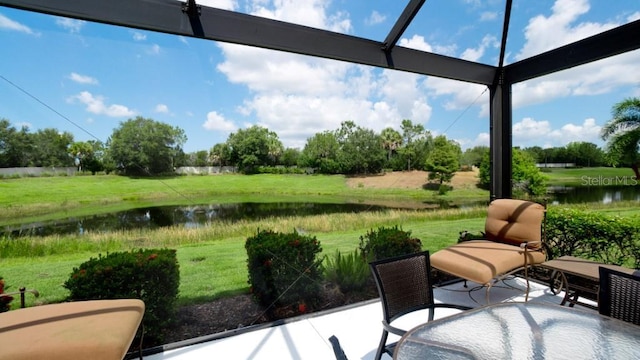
x: 383, y: 343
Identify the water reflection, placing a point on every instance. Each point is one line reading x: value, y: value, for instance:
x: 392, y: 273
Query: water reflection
x: 587, y: 194
x: 188, y: 216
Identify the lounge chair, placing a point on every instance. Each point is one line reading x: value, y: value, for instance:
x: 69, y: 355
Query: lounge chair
x: 514, y: 235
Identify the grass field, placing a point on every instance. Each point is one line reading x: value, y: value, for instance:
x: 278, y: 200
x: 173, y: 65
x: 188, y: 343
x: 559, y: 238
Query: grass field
x: 213, y: 259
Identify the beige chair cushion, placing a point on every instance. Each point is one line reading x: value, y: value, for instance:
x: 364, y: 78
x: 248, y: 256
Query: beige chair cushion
x: 97, y: 330
x: 481, y: 261
x: 514, y: 222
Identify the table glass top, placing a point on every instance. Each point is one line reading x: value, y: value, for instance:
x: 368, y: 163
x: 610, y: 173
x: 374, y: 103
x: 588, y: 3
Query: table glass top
x: 522, y: 331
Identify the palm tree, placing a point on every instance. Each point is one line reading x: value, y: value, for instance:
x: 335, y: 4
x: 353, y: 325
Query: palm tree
x: 391, y: 140
x: 623, y: 134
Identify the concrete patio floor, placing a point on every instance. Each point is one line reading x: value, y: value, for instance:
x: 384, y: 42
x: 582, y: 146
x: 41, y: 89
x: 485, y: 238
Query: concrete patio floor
x: 358, y: 327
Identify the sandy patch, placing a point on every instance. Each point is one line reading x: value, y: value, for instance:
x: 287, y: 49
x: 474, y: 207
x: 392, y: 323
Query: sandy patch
x: 410, y: 180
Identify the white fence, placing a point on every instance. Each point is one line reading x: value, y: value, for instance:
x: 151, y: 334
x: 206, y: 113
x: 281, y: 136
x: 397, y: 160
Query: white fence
x: 556, y: 165
x: 205, y: 170
x: 38, y: 171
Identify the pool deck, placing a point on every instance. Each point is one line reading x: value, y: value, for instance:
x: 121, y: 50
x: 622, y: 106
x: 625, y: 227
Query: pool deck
x: 357, y: 326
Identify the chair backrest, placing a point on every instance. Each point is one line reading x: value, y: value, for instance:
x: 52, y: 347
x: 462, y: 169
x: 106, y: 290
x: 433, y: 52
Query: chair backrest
x: 619, y: 295
x: 514, y: 221
x: 337, y: 348
x: 404, y: 284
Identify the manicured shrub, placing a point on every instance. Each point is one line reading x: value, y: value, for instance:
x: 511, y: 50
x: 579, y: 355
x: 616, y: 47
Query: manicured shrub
x: 386, y: 242
x: 151, y: 275
x: 350, y: 271
x: 592, y: 235
x: 283, y: 268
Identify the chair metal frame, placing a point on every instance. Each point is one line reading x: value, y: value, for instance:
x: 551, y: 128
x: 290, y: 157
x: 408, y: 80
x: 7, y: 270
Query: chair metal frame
x: 404, y: 284
x: 525, y: 248
x: 337, y: 348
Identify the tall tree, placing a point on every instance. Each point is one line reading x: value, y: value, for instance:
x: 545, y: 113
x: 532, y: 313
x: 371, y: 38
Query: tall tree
x: 144, y: 146
x: 413, y: 150
x: 16, y: 146
x: 527, y: 179
x: 220, y: 154
x: 321, y: 153
x: 290, y: 157
x: 474, y: 155
x: 444, y: 160
x: 87, y: 155
x: 51, y: 148
x: 361, y: 150
x: 622, y: 134
x: 391, y: 141
x: 253, y: 147
x: 585, y: 153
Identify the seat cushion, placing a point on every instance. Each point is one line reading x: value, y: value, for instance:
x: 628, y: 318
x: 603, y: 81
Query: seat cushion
x: 95, y: 329
x: 514, y: 221
x: 482, y: 260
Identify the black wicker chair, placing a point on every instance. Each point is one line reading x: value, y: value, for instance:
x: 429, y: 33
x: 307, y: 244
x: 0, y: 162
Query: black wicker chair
x: 404, y: 284
x: 619, y: 295
x: 337, y: 348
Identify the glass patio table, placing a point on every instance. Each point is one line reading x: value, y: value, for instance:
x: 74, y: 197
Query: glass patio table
x: 522, y: 331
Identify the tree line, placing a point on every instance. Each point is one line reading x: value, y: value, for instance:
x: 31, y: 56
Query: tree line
x: 143, y: 146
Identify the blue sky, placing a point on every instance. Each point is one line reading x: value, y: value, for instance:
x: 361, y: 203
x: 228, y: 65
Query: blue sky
x: 97, y: 76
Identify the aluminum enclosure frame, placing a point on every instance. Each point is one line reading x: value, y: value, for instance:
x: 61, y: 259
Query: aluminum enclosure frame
x: 193, y: 20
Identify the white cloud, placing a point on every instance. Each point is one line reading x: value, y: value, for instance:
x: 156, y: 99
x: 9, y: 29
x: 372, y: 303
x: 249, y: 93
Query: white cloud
x: 488, y: 16
x: 71, y: 25
x: 529, y: 132
x: 416, y: 42
x: 375, y: 18
x: 217, y: 122
x: 599, y: 77
x: 588, y: 131
x: 220, y: 4
x: 8, y: 24
x: 162, y: 108
x: 545, y: 33
x: 304, y: 12
x: 138, y: 36
x: 477, y: 53
x: 96, y: 105
x: 529, y: 128
x: 83, y: 79
x: 560, y: 28
x: 154, y: 49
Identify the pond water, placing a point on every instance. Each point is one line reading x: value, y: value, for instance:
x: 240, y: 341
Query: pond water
x: 201, y: 215
x: 189, y: 216
x: 588, y: 194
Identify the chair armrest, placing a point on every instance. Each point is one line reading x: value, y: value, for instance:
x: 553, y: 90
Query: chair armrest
x: 392, y: 329
x: 453, y: 306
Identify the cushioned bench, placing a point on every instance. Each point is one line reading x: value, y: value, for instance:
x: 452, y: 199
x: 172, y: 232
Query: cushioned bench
x: 97, y: 330
x: 513, y: 231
